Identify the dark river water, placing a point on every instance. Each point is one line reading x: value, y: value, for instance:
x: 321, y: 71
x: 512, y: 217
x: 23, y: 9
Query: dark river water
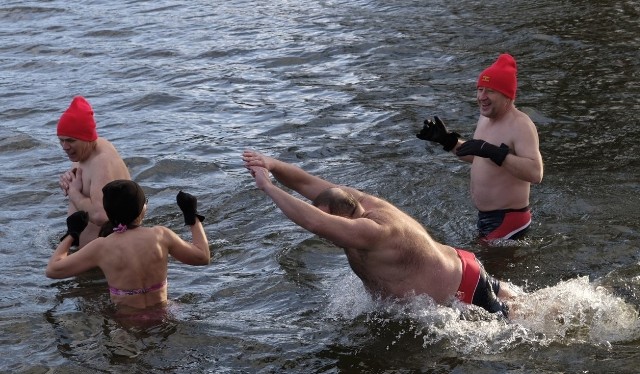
x: 340, y: 88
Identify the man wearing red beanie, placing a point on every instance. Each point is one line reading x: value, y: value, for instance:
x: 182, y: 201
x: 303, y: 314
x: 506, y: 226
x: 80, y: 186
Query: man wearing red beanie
x: 95, y: 162
x: 504, y: 153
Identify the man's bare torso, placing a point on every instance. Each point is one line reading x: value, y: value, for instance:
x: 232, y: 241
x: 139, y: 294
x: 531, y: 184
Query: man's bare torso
x: 103, y: 164
x: 404, y: 260
x: 492, y: 186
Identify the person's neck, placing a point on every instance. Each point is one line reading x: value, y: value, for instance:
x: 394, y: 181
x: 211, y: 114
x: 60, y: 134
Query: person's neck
x: 503, y: 113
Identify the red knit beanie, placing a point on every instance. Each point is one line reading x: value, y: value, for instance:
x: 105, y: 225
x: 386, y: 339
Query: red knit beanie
x: 77, y: 121
x: 501, y: 76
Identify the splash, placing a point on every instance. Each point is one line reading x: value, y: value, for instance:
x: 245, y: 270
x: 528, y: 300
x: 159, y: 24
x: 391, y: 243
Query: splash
x: 572, y: 312
x: 576, y: 311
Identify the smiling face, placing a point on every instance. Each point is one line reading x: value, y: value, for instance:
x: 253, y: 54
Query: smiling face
x: 491, y: 102
x: 76, y: 150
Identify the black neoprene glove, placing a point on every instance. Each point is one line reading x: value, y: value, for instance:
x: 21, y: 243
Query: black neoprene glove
x: 478, y: 147
x: 188, y: 205
x: 437, y: 132
x: 76, y: 223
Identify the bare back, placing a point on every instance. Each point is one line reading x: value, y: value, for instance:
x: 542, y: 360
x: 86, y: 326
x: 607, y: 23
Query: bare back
x: 135, y: 259
x: 401, y: 257
x: 496, y: 187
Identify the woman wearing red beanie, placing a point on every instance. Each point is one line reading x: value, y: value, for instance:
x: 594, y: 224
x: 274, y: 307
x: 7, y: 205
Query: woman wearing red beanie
x: 95, y: 162
x: 504, y: 153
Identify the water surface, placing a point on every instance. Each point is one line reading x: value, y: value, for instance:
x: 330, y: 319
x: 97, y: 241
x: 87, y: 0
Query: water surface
x: 339, y: 88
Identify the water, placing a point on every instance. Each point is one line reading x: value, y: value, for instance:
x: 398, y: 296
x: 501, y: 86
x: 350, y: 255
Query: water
x: 340, y: 88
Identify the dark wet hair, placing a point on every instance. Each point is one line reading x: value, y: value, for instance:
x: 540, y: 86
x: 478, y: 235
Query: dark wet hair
x: 339, y: 202
x: 123, y: 201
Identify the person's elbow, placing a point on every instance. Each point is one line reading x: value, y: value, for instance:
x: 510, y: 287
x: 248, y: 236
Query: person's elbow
x: 531, y: 172
x: 536, y: 178
x: 52, y: 273
x: 99, y: 217
x: 537, y: 175
x: 203, y: 261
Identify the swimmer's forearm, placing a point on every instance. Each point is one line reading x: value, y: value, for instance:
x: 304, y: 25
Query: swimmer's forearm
x: 97, y: 215
x: 199, y: 239
x: 61, y: 252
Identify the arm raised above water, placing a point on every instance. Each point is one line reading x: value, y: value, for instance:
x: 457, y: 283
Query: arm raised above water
x: 344, y: 232
x: 290, y: 175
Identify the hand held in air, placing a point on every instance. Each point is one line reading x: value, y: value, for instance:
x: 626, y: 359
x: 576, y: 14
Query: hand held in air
x: 76, y: 223
x: 188, y: 205
x: 261, y: 176
x: 436, y: 131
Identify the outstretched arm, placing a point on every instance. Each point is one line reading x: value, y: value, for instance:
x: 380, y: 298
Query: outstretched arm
x: 290, y: 175
x: 343, y: 232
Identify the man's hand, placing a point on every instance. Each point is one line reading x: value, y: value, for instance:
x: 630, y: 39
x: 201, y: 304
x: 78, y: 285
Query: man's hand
x: 479, y: 147
x: 261, y: 176
x: 253, y: 158
x: 75, y: 182
x: 188, y: 204
x: 437, y: 132
x: 76, y: 223
x: 65, y: 180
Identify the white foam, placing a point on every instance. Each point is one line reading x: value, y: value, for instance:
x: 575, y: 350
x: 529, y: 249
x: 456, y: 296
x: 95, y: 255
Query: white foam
x: 573, y: 311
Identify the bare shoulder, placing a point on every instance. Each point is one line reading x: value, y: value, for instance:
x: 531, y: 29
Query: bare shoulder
x: 96, y: 247
x: 106, y: 152
x: 108, y: 162
x: 517, y: 125
x: 105, y: 146
x: 526, y: 130
x: 164, y: 233
x: 523, y: 118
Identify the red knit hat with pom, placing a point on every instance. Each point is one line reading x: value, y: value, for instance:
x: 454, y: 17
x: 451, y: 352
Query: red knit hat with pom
x: 77, y: 121
x: 501, y: 76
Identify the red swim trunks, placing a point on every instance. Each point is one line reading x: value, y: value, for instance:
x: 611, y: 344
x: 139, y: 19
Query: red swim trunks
x: 477, y: 287
x: 504, y: 223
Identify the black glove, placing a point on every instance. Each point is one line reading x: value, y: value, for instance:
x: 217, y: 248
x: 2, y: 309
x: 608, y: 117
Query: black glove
x: 437, y: 132
x: 188, y: 205
x: 479, y: 147
x: 75, y: 224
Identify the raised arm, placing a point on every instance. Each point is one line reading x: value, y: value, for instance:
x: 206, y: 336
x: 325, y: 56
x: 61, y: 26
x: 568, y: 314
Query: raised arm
x: 197, y: 252
x: 290, y: 175
x: 63, y: 265
x: 343, y: 232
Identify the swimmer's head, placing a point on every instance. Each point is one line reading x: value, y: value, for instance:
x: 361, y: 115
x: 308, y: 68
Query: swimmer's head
x: 123, y: 201
x: 337, y: 202
x: 77, y: 121
x: 501, y: 76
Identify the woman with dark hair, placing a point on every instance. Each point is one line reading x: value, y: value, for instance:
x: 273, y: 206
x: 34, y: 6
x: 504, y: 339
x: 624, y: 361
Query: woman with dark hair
x: 134, y: 258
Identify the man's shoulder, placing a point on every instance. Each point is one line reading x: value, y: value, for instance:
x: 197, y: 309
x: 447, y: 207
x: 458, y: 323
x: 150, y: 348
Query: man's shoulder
x: 105, y: 147
x: 105, y: 155
x: 514, y: 120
